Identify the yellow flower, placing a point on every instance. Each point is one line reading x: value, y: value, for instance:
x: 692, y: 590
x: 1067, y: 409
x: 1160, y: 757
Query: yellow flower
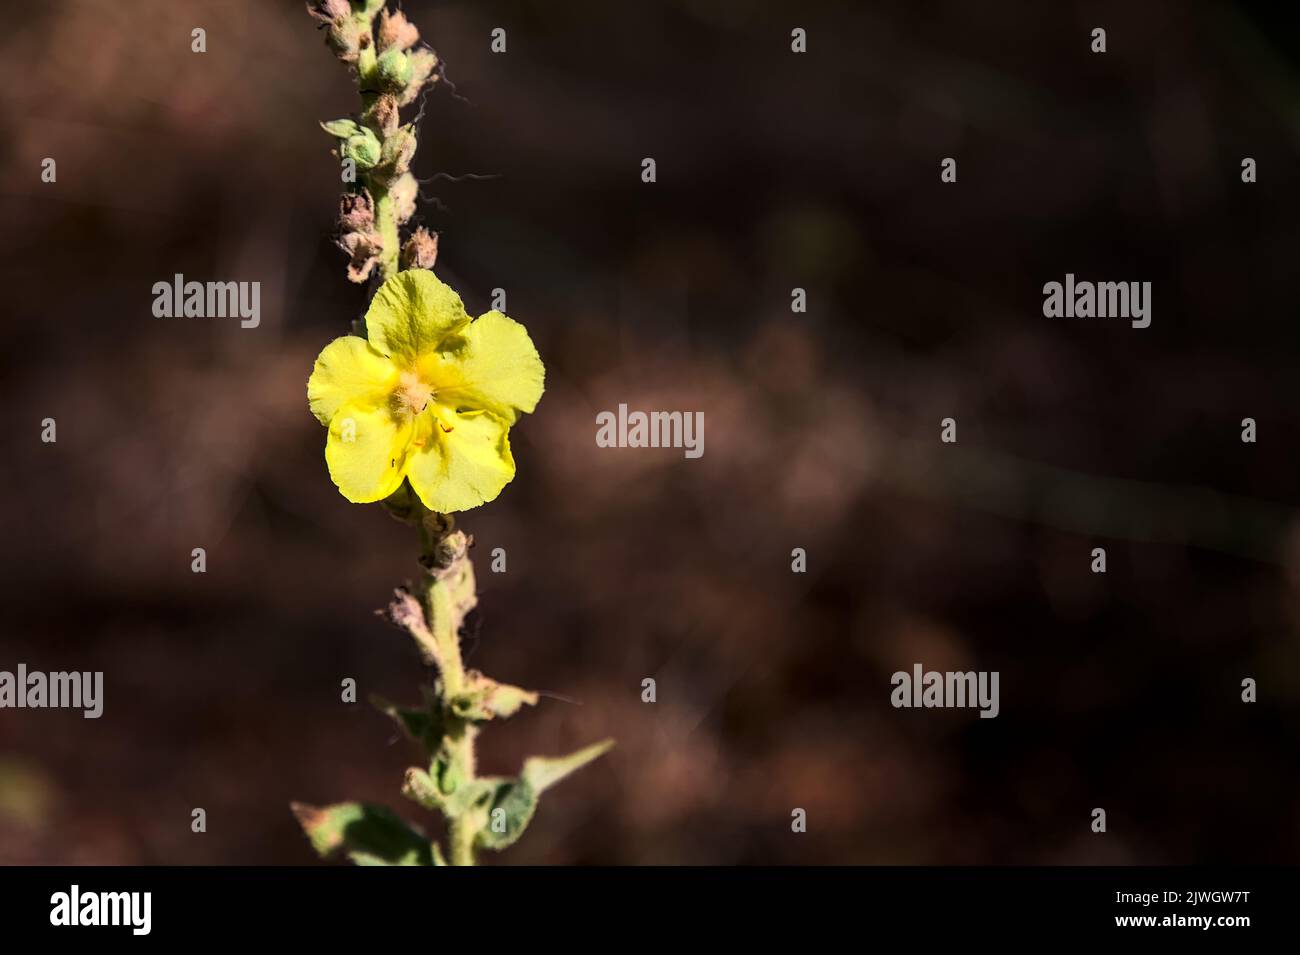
x: 428, y: 396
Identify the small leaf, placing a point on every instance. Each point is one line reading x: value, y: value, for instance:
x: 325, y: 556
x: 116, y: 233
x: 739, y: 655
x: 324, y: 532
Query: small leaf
x: 421, y: 725
x: 341, y: 128
x: 368, y: 834
x: 485, y: 698
x: 513, y: 803
x: 543, y: 772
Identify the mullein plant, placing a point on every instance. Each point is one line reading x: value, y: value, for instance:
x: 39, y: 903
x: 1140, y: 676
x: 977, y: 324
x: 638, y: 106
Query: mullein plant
x: 418, y: 403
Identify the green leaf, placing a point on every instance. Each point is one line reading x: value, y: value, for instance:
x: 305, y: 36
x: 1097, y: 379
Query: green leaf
x: 515, y: 800
x: 513, y: 805
x: 366, y: 833
x: 543, y: 772
x: 341, y: 128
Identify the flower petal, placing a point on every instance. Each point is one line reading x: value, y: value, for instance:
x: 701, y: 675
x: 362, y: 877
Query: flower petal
x: 461, y: 468
x: 347, y: 369
x: 412, y: 314
x: 493, y: 366
x: 367, y: 450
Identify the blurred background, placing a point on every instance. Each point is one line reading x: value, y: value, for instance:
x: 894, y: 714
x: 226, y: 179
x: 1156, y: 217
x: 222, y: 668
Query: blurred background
x: 775, y: 171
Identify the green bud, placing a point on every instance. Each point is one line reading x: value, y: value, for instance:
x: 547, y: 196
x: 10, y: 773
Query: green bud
x: 363, y: 148
x: 393, y: 70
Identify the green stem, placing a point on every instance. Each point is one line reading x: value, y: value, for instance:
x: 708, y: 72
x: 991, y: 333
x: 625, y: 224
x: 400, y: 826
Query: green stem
x: 450, y: 592
x: 385, y: 214
x: 442, y: 623
x: 386, y: 225
x: 462, y: 842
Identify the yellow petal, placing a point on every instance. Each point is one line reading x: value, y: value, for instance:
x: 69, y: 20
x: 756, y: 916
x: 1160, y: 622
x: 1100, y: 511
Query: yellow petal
x: 461, y: 468
x: 348, y: 369
x: 367, y: 450
x: 412, y: 314
x: 492, y: 365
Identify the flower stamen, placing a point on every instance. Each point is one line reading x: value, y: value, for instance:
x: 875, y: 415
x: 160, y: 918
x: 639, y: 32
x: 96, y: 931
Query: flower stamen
x: 412, y: 394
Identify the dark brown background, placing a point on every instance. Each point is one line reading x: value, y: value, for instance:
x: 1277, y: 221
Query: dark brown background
x: 775, y: 171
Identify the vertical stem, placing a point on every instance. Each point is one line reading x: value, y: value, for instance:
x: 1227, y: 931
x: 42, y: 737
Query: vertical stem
x: 462, y: 842
x: 441, y: 615
x: 386, y: 225
x: 448, y: 598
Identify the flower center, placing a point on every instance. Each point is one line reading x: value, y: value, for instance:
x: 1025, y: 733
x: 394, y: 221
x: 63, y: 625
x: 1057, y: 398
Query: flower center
x: 412, y: 394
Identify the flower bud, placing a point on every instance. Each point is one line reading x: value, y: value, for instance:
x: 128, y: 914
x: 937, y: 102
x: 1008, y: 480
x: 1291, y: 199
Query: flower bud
x: 363, y: 148
x: 357, y: 212
x: 421, y: 250
x: 422, y: 65
x: 396, y: 32
x: 393, y: 70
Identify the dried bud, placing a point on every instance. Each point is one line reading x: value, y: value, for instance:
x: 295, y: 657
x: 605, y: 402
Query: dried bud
x: 398, y: 150
x: 345, y: 38
x: 404, y: 192
x: 421, y: 250
x: 356, y: 212
x: 396, y: 32
x: 422, y: 65
x: 364, y: 249
x: 329, y: 11
x: 382, y: 116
